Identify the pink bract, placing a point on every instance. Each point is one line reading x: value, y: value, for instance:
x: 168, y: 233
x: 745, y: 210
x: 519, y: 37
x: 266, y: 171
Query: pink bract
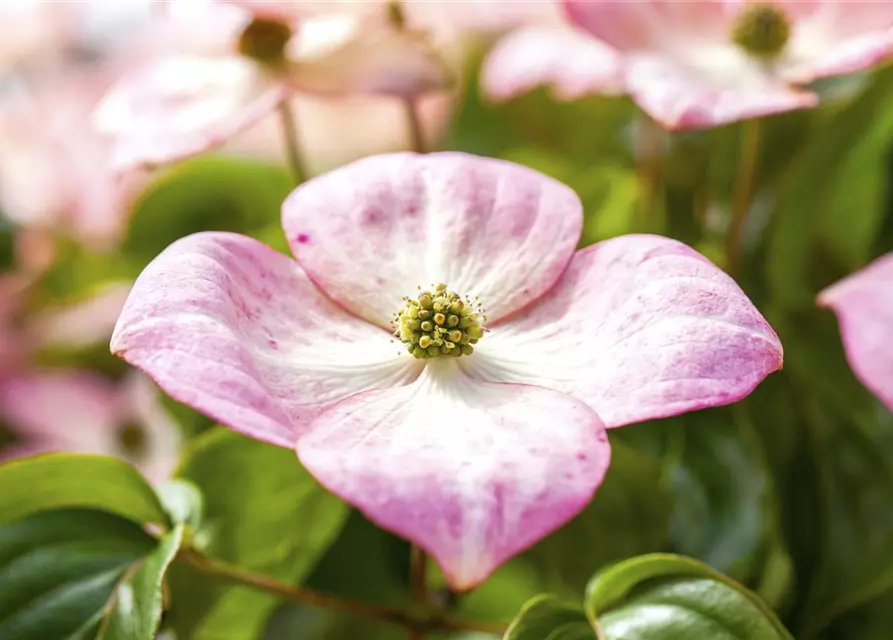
x: 183, y: 100
x: 472, y: 458
x: 82, y: 412
x: 682, y: 67
x: 863, y: 303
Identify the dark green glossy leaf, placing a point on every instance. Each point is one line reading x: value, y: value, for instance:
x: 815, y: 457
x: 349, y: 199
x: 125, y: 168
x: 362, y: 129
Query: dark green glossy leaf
x: 58, y: 570
x: 262, y: 511
x: 135, y: 610
x: 61, y: 480
x: 667, y: 596
x: 547, y: 617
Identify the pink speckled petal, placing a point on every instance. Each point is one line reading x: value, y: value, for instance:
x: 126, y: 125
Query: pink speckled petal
x: 471, y: 472
x: 373, y: 231
x: 179, y: 106
x: 639, y: 327
x: 715, y: 91
x: 572, y: 63
x: 236, y: 330
x: 653, y: 25
x: 863, y: 303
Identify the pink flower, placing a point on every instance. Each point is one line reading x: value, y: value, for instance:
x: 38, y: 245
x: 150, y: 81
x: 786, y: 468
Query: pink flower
x: 475, y: 457
x: 82, y: 412
x: 549, y: 51
x: 258, y: 54
x: 54, y: 171
x: 703, y: 63
x: 863, y: 303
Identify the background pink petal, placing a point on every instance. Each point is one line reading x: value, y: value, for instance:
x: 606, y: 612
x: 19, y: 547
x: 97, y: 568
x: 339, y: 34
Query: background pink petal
x: 571, y: 63
x: 178, y: 106
x: 863, y: 303
x: 639, y: 327
x: 713, y: 91
x: 652, y: 25
x: 236, y: 330
x: 373, y: 231
x: 472, y: 472
x: 73, y: 410
x: 837, y: 38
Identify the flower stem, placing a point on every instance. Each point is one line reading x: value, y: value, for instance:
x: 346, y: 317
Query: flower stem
x: 648, y: 141
x: 225, y: 571
x: 418, y: 579
x: 743, y: 194
x: 414, y: 125
x: 292, y: 146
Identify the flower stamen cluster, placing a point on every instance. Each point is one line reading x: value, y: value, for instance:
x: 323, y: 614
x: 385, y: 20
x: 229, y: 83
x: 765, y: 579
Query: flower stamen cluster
x: 762, y: 30
x: 438, y: 323
x: 264, y: 40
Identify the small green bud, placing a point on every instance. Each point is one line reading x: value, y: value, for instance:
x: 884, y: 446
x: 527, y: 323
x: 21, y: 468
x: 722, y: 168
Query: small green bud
x: 427, y: 326
x: 425, y: 341
x: 439, y: 318
x: 438, y: 324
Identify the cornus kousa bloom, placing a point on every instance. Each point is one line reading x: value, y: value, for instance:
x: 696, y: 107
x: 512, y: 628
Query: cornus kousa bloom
x: 863, y: 303
x: 439, y: 354
x: 248, y: 59
x: 702, y: 63
x: 548, y: 50
x: 80, y: 411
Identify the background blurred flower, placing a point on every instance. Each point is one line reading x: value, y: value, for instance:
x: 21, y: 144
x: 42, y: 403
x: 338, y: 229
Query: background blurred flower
x: 176, y: 105
x: 863, y: 303
x: 549, y: 51
x: 705, y: 63
x: 83, y: 412
x: 436, y: 448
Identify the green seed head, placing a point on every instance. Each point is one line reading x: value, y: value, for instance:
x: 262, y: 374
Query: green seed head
x: 438, y: 324
x: 265, y: 40
x: 762, y: 30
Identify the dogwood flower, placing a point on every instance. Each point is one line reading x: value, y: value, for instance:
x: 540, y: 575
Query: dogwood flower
x: 863, y: 303
x: 548, y: 50
x: 440, y: 356
x: 255, y: 56
x: 82, y: 412
x: 703, y: 63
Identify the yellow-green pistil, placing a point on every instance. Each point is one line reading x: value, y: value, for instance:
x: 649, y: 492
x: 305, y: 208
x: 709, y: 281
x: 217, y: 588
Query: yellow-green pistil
x: 762, y: 30
x: 438, y: 323
x: 265, y: 40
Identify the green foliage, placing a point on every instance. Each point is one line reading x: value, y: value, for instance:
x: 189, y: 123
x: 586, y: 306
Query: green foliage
x: 60, y: 480
x: 75, y: 573
x: 668, y: 596
x: 262, y: 511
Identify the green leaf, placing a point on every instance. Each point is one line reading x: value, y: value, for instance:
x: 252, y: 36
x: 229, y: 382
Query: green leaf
x: 58, y: 570
x: 629, y: 515
x: 669, y: 596
x: 135, y: 610
x: 547, y: 617
x: 182, y: 500
x: 60, y: 480
x: 263, y: 512
x: 207, y: 193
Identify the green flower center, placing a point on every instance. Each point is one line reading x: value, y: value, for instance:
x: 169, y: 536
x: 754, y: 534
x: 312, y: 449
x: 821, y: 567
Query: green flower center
x: 132, y: 439
x: 762, y: 30
x: 439, y: 323
x: 264, y: 40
